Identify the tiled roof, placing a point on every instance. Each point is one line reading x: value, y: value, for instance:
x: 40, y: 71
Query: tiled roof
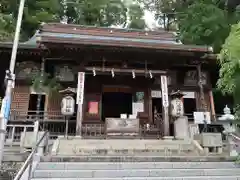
x: 30, y: 44
x: 101, y: 36
x: 75, y: 34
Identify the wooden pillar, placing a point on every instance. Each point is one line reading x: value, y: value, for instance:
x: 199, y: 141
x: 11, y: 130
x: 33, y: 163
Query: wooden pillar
x: 203, y: 106
x: 212, y: 105
x: 79, y: 101
x: 165, y: 103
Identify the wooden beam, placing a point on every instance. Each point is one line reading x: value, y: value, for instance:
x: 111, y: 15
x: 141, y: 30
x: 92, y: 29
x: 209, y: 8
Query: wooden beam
x: 137, y: 71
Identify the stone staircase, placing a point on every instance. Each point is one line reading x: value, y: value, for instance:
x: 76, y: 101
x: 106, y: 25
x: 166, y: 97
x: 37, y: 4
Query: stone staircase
x: 136, y: 171
x: 14, y: 154
x: 79, y: 159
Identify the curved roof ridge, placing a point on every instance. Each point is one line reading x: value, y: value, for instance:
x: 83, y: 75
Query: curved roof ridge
x: 33, y: 39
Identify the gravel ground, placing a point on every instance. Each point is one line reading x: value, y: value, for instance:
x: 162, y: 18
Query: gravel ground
x: 9, y: 169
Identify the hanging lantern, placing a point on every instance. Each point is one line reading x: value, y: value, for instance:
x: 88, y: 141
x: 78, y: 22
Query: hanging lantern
x: 177, y: 109
x: 67, y: 106
x: 68, y: 102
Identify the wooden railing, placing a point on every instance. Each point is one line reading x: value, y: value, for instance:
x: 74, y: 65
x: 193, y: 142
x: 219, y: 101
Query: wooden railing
x: 33, y: 115
x: 58, y: 125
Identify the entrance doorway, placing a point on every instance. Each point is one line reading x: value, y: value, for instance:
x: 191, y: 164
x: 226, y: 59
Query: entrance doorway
x: 156, y: 108
x: 116, y: 103
x: 33, y: 100
x: 189, y: 105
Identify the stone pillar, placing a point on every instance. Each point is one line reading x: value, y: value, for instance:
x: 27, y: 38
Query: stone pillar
x: 181, y: 128
x: 165, y: 103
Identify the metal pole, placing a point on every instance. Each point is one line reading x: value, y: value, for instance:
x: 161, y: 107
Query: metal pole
x: 10, y: 78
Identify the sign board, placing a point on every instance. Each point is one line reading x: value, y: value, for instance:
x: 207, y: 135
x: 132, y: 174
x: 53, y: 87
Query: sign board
x: 122, y: 127
x: 189, y: 95
x: 137, y: 107
x: 156, y: 94
x: 199, y: 117
x: 5, y: 109
x: 164, y: 87
x: 80, y: 87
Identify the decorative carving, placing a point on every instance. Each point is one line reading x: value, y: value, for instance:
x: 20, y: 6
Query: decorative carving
x: 172, y: 78
x: 191, y: 78
x: 204, y: 78
x: 26, y: 69
x: 64, y: 73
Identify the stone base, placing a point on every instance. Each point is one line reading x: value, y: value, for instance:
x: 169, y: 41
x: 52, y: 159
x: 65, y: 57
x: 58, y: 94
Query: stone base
x: 181, y: 128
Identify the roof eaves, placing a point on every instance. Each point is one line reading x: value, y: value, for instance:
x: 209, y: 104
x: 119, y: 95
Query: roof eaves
x: 165, y: 43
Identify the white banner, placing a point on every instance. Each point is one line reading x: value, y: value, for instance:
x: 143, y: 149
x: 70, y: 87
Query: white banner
x: 80, y: 87
x: 164, y: 86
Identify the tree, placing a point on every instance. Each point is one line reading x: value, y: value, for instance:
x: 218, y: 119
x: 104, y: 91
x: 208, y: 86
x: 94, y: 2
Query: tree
x: 164, y: 11
x: 136, y: 14
x: 35, y: 12
x: 229, y: 61
x: 105, y: 13
x: 102, y: 13
x: 96, y: 13
x: 7, y: 27
x: 202, y: 22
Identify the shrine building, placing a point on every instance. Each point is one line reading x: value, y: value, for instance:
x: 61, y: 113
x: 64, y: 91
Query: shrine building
x: 126, y: 73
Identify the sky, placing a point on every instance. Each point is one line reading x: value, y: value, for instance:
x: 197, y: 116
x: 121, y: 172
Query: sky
x: 149, y: 19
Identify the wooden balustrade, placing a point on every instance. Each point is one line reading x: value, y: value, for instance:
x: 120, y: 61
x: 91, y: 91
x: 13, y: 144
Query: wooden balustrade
x: 59, y: 125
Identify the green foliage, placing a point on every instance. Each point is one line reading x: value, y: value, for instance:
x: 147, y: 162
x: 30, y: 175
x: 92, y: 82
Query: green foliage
x: 35, y: 12
x: 44, y: 83
x: 229, y: 60
x: 102, y: 13
x: 96, y: 13
x: 6, y: 27
x: 229, y: 75
x: 136, y: 14
x: 204, y: 24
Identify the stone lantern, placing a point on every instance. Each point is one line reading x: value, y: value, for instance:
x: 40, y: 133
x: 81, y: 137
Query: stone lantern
x: 177, y: 113
x: 227, y: 120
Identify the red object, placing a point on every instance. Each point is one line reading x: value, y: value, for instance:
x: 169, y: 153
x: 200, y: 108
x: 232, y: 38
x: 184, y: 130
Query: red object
x: 93, y: 107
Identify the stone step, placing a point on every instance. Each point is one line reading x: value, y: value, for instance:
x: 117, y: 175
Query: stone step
x: 152, y: 178
x: 157, y: 158
x: 132, y: 165
x: 83, y: 146
x: 12, y: 149
x: 50, y: 173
